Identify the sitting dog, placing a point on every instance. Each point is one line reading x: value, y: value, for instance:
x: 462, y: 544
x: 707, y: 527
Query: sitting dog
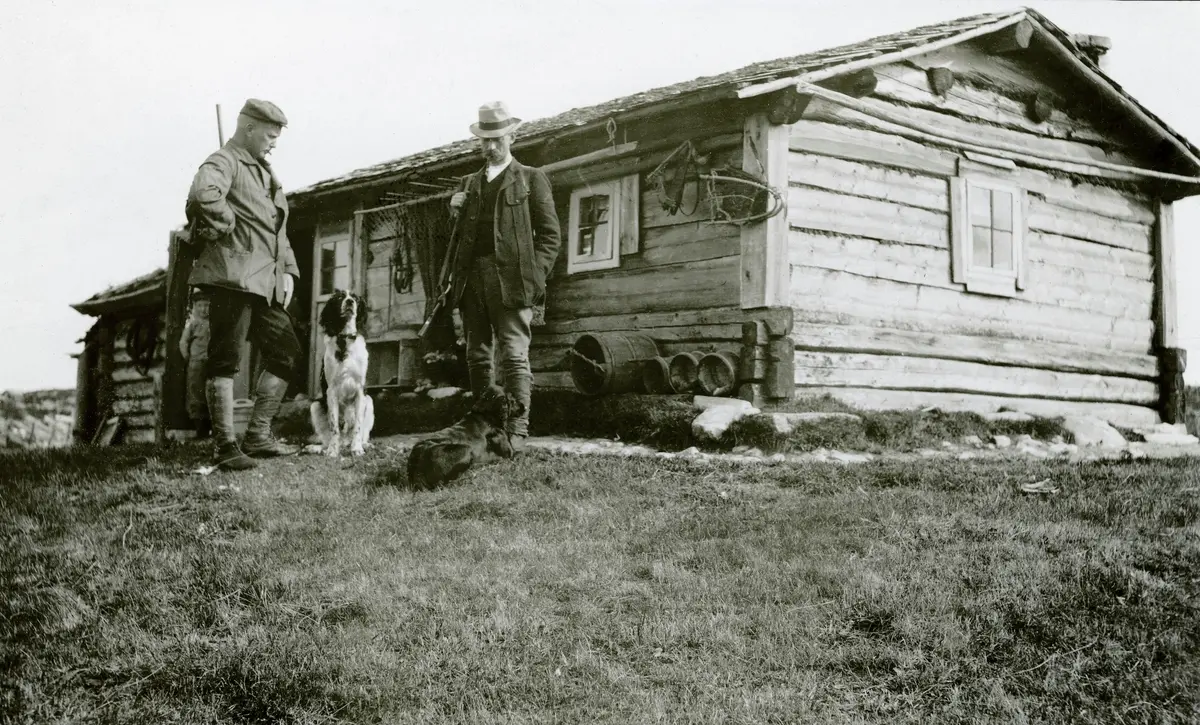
x: 478, y: 438
x: 343, y: 401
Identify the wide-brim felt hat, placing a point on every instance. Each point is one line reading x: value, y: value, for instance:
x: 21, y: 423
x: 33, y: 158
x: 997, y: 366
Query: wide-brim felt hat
x: 494, y: 121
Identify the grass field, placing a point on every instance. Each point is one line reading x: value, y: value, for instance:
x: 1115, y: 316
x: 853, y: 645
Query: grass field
x: 596, y: 590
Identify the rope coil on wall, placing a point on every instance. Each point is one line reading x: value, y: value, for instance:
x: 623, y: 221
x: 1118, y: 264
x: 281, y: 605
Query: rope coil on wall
x: 734, y: 196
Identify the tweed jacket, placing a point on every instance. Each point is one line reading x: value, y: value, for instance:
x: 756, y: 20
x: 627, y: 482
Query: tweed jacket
x: 527, y: 234
x: 240, y: 198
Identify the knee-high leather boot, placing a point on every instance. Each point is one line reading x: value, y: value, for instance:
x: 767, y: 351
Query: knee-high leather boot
x: 229, y: 457
x: 260, y: 442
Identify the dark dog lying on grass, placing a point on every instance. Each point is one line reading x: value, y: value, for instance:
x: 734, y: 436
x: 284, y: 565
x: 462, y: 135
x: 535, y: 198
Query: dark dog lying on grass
x: 478, y: 438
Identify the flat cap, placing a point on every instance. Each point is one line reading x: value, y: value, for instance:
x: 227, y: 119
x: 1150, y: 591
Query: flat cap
x: 264, y: 111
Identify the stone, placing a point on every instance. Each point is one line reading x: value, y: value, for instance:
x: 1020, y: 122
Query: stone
x: 797, y: 418
x: 408, y: 396
x: 715, y: 420
x: 1060, y: 448
x: 1002, y: 441
x: 1177, y: 428
x: 1092, y: 431
x: 1171, y: 439
x: 783, y: 426
x: 843, y: 457
x: 965, y: 455
x: 1135, y: 451
x: 777, y: 458
x: 438, y: 393
x: 1008, y: 415
x: 972, y: 440
x: 708, y: 402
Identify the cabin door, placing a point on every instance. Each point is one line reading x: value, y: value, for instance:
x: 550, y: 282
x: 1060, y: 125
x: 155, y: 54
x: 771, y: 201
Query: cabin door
x: 335, y: 266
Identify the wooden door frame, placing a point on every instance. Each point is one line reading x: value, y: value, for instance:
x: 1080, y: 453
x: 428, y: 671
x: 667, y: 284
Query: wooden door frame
x: 317, y: 299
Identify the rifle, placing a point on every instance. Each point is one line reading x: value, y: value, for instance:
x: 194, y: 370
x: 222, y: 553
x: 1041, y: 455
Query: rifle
x: 445, y: 276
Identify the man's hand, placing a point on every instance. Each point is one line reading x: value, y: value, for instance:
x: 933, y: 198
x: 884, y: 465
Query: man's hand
x: 458, y: 199
x: 208, y: 234
x: 289, y: 287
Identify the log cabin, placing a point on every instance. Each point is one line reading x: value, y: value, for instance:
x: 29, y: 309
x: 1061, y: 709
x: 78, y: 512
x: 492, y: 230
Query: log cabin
x: 123, y: 361
x: 121, y: 364
x: 970, y: 215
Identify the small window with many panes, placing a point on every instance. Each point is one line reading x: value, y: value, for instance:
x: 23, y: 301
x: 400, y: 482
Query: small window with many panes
x: 987, y: 222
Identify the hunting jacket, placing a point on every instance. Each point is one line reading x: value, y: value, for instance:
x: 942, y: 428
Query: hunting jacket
x: 240, y: 198
x: 527, y: 234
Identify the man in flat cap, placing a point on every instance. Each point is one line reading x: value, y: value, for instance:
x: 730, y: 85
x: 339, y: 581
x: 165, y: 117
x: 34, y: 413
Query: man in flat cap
x: 246, y: 268
x: 507, y: 243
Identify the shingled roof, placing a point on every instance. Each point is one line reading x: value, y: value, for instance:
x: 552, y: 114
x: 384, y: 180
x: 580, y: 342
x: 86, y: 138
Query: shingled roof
x: 731, y: 81
x: 144, y: 291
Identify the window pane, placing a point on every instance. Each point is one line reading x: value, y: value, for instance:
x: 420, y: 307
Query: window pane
x: 980, y: 203
x: 981, y: 249
x: 602, y: 247
x: 1002, y: 250
x: 341, y: 278
x: 328, y: 256
x: 326, y: 281
x: 1002, y: 211
x: 593, y: 210
x: 587, y: 240
x: 343, y: 253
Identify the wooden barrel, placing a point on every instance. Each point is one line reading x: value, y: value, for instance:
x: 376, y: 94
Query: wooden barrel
x: 682, y: 371
x: 717, y: 373
x: 656, y: 376
x: 610, y: 362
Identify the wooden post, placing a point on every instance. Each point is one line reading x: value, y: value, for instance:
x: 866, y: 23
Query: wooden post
x: 765, y: 271
x: 160, y: 428
x: 174, y: 379
x: 1172, y: 360
x: 1166, y: 319
x: 104, y: 369
x: 780, y: 381
x: 1172, y: 390
x: 83, y: 388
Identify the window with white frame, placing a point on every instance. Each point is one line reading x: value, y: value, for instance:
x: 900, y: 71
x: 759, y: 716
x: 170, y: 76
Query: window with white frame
x: 988, y: 232
x: 602, y: 224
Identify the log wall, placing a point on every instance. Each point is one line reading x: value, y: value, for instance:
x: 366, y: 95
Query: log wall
x: 133, y: 394
x: 681, y: 287
x: 878, y: 320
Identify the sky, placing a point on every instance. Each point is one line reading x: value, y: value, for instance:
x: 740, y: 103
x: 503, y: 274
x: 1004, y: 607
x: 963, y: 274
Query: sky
x: 109, y: 106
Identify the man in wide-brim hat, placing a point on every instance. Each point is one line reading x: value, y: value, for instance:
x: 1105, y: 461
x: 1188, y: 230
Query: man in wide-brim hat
x: 508, y: 238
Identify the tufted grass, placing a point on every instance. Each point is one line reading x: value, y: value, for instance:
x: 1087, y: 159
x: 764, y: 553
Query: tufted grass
x: 557, y: 589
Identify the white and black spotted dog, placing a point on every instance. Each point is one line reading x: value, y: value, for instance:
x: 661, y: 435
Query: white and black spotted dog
x: 344, y: 407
